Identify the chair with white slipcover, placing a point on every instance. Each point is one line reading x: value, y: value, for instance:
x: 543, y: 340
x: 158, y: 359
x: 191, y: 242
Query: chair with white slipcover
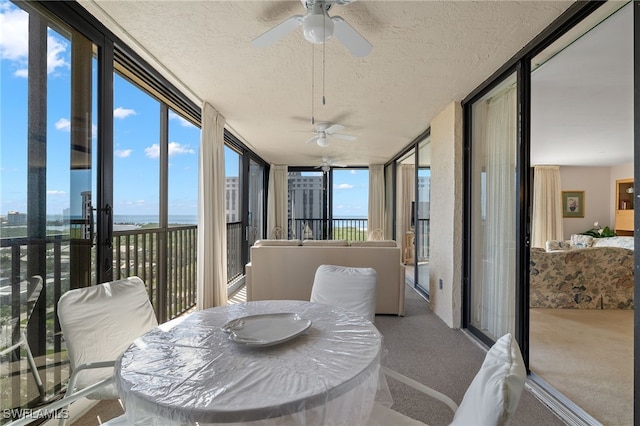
x: 353, y: 289
x: 98, y: 324
x: 34, y: 288
x: 490, y: 400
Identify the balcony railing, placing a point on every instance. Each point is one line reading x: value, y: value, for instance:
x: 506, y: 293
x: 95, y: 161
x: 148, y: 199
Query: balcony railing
x: 136, y: 252
x: 328, y: 229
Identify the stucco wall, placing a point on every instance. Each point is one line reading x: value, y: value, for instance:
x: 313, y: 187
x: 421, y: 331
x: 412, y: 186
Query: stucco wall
x: 445, y: 245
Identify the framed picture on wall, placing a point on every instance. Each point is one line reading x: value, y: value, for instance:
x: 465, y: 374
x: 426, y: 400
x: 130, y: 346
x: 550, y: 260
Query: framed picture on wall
x: 572, y: 203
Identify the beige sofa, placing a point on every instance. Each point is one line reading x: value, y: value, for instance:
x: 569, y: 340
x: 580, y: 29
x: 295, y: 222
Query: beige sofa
x: 598, y: 277
x: 286, y: 269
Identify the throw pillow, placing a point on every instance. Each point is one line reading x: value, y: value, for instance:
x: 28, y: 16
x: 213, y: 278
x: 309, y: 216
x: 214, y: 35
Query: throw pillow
x: 555, y: 245
x: 494, y: 394
x: 581, y: 241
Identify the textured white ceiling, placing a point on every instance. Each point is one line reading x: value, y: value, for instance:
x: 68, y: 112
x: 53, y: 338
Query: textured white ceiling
x: 426, y: 54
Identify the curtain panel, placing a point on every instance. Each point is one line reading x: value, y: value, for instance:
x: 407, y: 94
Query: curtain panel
x: 500, y: 233
x: 277, y: 199
x: 547, y: 206
x: 212, y: 220
x: 375, y: 226
x: 406, y: 190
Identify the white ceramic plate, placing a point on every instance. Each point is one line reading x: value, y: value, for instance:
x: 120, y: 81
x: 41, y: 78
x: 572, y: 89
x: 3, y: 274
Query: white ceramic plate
x: 267, y: 329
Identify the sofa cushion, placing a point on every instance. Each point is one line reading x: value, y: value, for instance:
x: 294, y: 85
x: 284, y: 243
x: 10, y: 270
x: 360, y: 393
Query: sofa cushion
x: 374, y: 243
x: 335, y: 243
x: 265, y: 243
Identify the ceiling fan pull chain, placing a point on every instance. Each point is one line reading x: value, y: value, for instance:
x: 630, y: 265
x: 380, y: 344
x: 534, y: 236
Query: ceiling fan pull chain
x: 324, y: 47
x: 313, y: 63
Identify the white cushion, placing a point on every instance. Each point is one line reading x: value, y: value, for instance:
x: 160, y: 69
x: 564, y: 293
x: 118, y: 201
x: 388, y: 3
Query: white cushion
x: 494, y: 394
x: 337, y: 243
x: 374, y: 243
x: 353, y: 289
x: 100, y: 322
x: 270, y: 242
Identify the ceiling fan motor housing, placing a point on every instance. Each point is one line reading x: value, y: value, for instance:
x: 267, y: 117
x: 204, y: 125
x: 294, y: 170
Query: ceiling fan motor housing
x: 317, y: 26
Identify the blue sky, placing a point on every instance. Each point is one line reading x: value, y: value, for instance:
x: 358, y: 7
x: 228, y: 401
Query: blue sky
x: 136, y: 138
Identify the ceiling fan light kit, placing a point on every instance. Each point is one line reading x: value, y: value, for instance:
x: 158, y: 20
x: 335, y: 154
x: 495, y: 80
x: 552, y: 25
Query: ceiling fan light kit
x: 317, y: 27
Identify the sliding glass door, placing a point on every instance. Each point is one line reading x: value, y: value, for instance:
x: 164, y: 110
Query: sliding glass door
x: 47, y: 190
x: 421, y: 223
x: 493, y: 202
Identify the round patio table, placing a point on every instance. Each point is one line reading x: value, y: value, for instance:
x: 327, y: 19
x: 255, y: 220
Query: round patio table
x: 190, y: 370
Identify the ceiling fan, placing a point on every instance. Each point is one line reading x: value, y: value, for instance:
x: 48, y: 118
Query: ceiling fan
x: 318, y: 27
x: 324, y: 129
x: 327, y: 164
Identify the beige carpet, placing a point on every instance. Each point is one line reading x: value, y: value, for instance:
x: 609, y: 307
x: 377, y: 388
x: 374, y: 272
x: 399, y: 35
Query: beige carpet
x: 587, y: 355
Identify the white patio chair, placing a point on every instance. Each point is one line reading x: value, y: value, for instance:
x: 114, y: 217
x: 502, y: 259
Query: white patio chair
x: 98, y: 324
x: 350, y: 288
x: 490, y: 400
x: 35, y: 289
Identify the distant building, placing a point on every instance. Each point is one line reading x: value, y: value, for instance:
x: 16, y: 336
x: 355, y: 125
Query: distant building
x: 233, y: 199
x: 16, y: 218
x: 305, y: 196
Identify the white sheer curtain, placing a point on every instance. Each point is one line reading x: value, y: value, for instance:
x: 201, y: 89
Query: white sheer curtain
x: 406, y: 187
x: 277, y: 214
x: 375, y: 221
x: 212, y: 220
x: 500, y: 232
x: 547, y: 206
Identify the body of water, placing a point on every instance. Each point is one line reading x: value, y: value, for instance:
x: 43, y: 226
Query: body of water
x: 144, y: 219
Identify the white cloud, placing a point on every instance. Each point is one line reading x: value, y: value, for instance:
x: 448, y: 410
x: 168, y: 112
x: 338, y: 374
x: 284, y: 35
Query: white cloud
x: 353, y: 172
x: 63, y: 124
x: 14, y: 30
x: 152, y: 151
x: 14, y: 42
x: 55, y: 48
x: 343, y: 186
x: 174, y: 149
x: 183, y: 122
x: 55, y: 192
x: 123, y: 112
x: 122, y: 153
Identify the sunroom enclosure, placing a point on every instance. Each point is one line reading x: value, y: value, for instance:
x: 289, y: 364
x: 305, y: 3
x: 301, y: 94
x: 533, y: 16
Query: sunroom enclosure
x: 82, y: 246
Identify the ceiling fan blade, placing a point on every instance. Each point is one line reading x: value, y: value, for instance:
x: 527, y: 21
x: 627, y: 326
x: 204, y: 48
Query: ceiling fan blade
x: 338, y: 165
x: 277, y: 32
x: 345, y: 137
x: 313, y: 139
x: 357, y: 45
x: 334, y: 128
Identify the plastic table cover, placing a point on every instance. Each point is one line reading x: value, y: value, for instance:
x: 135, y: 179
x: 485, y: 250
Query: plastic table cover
x: 189, y: 371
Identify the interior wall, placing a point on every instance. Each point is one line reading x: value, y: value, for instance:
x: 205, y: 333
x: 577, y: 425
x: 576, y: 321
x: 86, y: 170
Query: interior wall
x: 445, y: 244
x: 595, y: 182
